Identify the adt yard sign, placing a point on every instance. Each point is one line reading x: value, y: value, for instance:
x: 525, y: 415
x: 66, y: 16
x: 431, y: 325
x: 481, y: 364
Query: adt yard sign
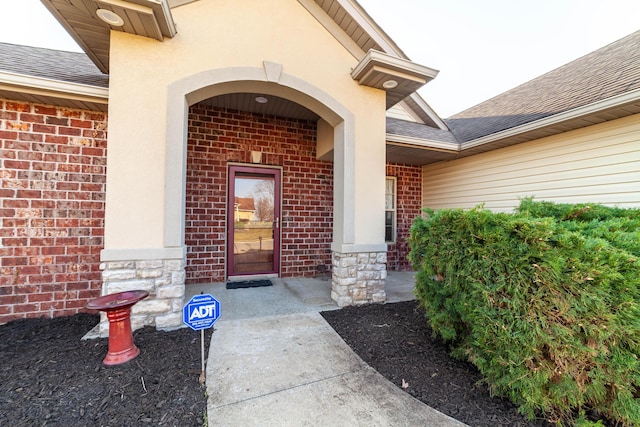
x: 201, y: 311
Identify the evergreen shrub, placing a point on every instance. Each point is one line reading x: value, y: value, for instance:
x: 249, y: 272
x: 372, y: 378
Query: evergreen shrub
x: 544, y: 302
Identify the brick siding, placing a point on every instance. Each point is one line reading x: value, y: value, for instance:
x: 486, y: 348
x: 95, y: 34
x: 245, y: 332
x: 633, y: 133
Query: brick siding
x: 52, y: 187
x: 409, y: 206
x: 218, y: 136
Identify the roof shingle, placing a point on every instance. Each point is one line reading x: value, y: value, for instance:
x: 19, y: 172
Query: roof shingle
x: 72, y: 67
x: 418, y: 130
x: 607, y: 72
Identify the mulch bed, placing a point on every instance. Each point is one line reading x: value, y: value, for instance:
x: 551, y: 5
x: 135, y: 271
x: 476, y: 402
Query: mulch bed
x: 48, y: 376
x: 397, y: 341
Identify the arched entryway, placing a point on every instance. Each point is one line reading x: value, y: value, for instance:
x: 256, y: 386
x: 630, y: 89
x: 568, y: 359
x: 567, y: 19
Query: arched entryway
x: 259, y: 201
x: 336, y: 127
x: 358, y: 265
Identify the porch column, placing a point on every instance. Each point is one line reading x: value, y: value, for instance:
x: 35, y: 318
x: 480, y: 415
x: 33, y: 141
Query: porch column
x: 359, y: 252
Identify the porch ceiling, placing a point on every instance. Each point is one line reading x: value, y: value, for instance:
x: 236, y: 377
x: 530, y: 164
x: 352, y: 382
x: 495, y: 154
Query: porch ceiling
x: 274, y: 105
x: 403, y: 153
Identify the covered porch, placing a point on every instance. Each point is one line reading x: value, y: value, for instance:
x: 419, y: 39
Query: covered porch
x: 291, y: 295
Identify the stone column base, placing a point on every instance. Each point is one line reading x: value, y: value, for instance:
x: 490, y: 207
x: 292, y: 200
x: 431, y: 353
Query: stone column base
x: 358, y: 278
x: 162, y: 278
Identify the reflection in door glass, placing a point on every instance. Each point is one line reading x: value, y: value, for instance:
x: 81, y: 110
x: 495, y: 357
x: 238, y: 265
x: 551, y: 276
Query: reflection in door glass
x: 253, y: 230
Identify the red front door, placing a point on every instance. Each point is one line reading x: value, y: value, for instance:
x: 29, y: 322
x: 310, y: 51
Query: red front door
x: 253, y: 221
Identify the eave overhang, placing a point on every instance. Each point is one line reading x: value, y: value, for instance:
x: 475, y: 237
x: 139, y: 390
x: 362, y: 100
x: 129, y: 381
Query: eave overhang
x: 147, y: 18
x: 612, y: 108
x: 399, y: 77
x: 54, y: 92
x: 421, y: 151
x: 410, y: 141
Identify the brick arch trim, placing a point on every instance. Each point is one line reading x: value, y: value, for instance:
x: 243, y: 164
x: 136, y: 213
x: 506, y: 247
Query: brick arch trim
x: 192, y: 89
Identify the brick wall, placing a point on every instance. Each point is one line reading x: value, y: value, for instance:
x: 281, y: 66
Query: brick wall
x: 218, y: 136
x: 409, y: 206
x: 52, y: 186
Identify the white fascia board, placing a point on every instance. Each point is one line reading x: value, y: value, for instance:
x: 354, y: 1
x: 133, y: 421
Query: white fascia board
x: 428, y: 110
x: 375, y: 32
x: 369, y: 25
x: 333, y: 28
x: 393, y: 62
x: 423, y: 143
x: 576, y: 113
x: 21, y: 81
x: 164, y: 10
x: 389, y: 46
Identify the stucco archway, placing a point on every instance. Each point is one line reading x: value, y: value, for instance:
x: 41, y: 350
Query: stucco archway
x: 271, y: 81
x: 358, y: 267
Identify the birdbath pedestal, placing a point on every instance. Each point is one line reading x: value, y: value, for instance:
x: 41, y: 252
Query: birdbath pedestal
x: 118, y: 309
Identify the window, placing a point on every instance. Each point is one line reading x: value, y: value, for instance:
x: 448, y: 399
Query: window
x: 390, y: 210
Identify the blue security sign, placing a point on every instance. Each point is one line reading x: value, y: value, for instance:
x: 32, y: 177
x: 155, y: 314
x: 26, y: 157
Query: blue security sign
x: 201, y: 312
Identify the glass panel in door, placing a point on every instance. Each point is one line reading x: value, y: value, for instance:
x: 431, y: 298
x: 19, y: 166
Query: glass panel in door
x: 254, y: 206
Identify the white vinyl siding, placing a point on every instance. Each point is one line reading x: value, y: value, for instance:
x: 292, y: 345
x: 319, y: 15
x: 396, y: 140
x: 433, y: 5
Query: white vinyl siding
x: 398, y: 111
x: 599, y: 164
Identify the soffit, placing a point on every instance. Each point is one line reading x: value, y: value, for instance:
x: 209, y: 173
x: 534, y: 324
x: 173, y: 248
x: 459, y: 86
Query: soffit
x: 79, y: 19
x: 45, y: 76
x: 152, y: 18
x: 70, y: 67
x: 377, y: 69
x: 146, y: 18
x: 359, y: 26
x: 348, y: 18
x: 414, y: 156
x: 52, y: 98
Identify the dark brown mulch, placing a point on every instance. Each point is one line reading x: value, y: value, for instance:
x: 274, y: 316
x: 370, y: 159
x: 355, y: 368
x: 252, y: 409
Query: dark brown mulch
x: 397, y: 341
x: 49, y: 377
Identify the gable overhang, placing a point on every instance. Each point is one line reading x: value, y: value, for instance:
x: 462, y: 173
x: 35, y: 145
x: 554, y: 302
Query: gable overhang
x: 399, y: 77
x: 358, y: 33
x: 147, y: 18
x: 41, y: 90
x: 346, y: 20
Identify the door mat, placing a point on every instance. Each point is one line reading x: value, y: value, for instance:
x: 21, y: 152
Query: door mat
x: 249, y: 284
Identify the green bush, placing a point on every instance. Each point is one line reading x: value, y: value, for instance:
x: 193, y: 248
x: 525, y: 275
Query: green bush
x: 544, y: 302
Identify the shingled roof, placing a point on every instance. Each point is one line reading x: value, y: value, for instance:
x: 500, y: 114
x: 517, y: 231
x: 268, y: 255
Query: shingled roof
x: 600, y: 86
x: 72, y: 67
x: 607, y: 72
x: 418, y: 130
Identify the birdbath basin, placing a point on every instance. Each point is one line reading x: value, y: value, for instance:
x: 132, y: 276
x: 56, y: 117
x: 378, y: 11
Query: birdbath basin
x: 118, y: 309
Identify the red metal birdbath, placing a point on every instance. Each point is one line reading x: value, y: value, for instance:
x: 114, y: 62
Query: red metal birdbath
x: 118, y: 309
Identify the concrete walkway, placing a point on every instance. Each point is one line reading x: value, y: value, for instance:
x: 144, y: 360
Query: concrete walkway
x: 274, y: 361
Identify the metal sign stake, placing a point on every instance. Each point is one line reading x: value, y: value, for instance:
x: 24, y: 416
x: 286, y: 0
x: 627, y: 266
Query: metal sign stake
x: 203, y: 375
x: 199, y: 314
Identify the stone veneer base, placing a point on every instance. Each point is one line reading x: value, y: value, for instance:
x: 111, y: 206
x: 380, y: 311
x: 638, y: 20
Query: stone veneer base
x: 162, y: 278
x: 358, y: 278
